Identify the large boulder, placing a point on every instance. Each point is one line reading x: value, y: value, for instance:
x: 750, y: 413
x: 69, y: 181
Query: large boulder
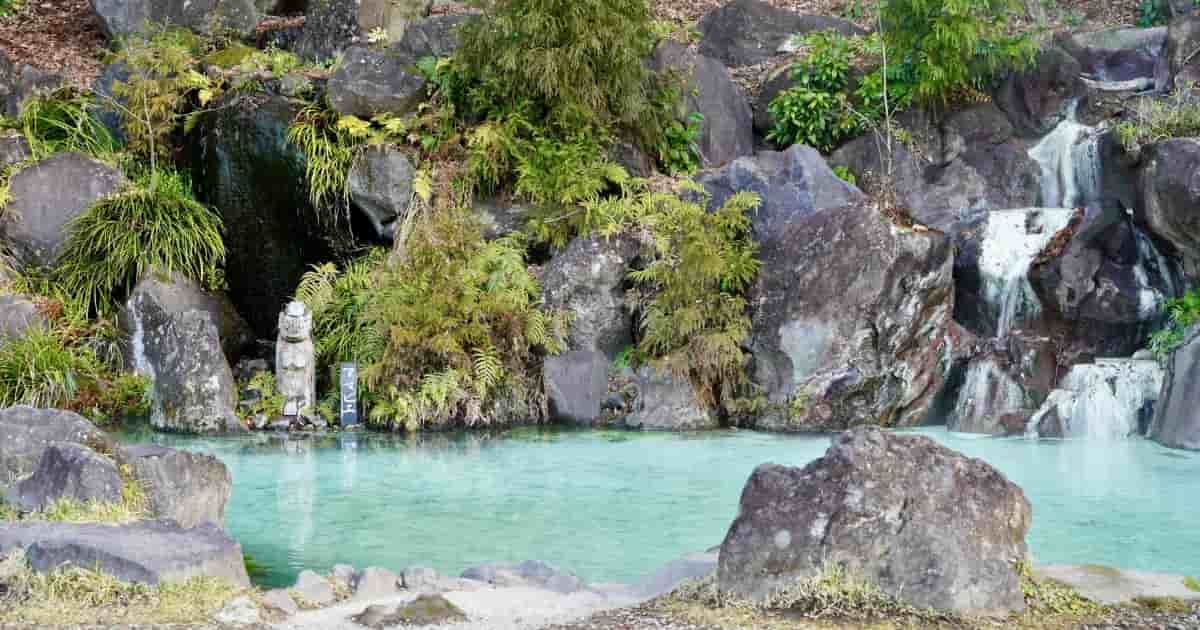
x: 666, y: 402
x: 1039, y: 98
x: 748, y: 32
x: 180, y: 353
x: 924, y: 523
x: 145, y: 552
x: 18, y: 314
x: 727, y: 131
x: 850, y: 310
x: 332, y: 26
x: 175, y: 293
x: 120, y: 18
x: 1170, y: 193
x: 1177, y: 415
x: 46, y: 197
x: 25, y: 432
x: 369, y: 82
x: 185, y: 487
x: 1117, y: 54
x: 246, y: 169
x: 381, y: 188
x: 68, y: 471
x: 587, y: 281
x: 19, y: 83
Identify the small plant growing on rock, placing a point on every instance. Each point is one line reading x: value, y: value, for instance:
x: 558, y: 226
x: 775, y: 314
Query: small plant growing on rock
x: 1182, y: 313
x: 1157, y: 119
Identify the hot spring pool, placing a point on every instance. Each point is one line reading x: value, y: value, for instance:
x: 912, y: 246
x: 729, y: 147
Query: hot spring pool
x: 613, y: 506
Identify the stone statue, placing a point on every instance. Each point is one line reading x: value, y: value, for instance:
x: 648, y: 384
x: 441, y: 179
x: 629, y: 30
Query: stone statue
x: 295, y: 361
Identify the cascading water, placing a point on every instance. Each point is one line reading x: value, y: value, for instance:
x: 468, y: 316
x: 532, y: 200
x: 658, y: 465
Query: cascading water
x: 1069, y: 160
x: 1012, y: 240
x: 142, y: 365
x: 1101, y: 400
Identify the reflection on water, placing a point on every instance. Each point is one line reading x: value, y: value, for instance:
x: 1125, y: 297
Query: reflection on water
x: 614, y: 505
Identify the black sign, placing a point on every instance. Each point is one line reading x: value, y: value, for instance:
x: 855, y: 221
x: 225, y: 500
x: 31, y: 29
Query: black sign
x: 349, y: 408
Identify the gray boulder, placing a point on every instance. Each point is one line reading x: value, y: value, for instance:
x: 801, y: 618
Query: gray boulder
x: 527, y: 573
x: 333, y: 26
x: 1177, y: 415
x: 14, y: 148
x: 180, y: 353
x: 924, y: 523
x: 188, y: 488
x: 420, y: 579
x: 1039, y: 98
x: 369, y: 82
x: 120, y: 18
x: 25, y: 432
x: 68, y: 471
x: 748, y: 32
x: 1004, y: 385
x: 381, y: 187
x: 587, y: 281
x: 174, y: 293
x: 1117, y: 54
x: 837, y: 339
x: 668, y: 403
x: 434, y: 36
x: 576, y: 385
x: 20, y: 83
x: 501, y: 215
x: 46, y: 197
x: 313, y: 589
x: 1170, y: 193
x: 19, y: 313
x: 375, y: 583
x: 727, y: 131
x: 145, y: 552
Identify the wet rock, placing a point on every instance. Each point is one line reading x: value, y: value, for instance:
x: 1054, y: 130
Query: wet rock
x: 188, y: 488
x: 747, y: 32
x: 425, y: 610
x: 1170, y: 192
x: 19, y: 83
x: 374, y: 583
x: 313, y: 590
x: 246, y: 169
x: 576, y: 385
x: 280, y: 601
x: 120, y: 18
x: 240, y: 611
x: 14, y: 148
x: 46, y: 197
x: 174, y: 293
x: 18, y: 314
x: 1177, y: 415
x: 381, y: 187
x: 144, y: 552
x: 727, y: 131
x: 1102, y: 400
x: 25, y: 432
x: 180, y: 352
x: 1004, y: 385
x: 68, y: 471
x: 1039, y: 98
x: 925, y: 523
x: 666, y: 402
x: 420, y: 579
x: 369, y: 82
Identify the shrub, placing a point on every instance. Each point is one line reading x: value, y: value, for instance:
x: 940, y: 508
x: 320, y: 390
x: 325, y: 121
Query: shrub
x: 955, y: 46
x: 42, y: 369
x: 329, y: 151
x: 155, y: 223
x: 1153, y: 13
x: 338, y: 301
x: 64, y: 121
x: 1158, y: 119
x: 1182, y: 313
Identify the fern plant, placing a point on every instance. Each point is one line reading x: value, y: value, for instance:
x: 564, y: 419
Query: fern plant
x: 338, y: 300
x: 155, y: 223
x: 1182, y: 313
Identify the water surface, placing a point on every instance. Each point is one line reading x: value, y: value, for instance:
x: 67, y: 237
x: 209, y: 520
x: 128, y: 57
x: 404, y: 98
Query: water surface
x: 613, y: 506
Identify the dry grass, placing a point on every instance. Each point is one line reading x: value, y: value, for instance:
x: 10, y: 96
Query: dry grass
x: 79, y: 596
x: 133, y: 505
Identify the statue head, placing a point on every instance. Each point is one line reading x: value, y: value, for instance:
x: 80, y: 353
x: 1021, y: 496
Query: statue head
x: 295, y: 322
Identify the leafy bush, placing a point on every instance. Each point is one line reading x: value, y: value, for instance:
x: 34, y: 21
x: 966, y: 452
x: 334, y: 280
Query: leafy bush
x: 1182, y: 313
x: 270, y: 402
x: 1157, y: 119
x: 955, y: 46
x: 329, y: 151
x: 10, y: 7
x: 42, y: 369
x: 65, y: 122
x: 155, y: 223
x: 338, y: 301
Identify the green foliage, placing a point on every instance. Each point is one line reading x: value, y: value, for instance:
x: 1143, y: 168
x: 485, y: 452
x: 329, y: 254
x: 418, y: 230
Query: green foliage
x: 1153, y: 13
x: 40, y: 369
x: 155, y: 223
x: 955, y: 46
x: 677, y: 150
x: 65, y: 122
x: 1157, y: 119
x: 338, y: 301
x: 329, y: 152
x: 270, y: 402
x: 1191, y: 583
x: 164, y: 68
x: 10, y: 7
x: 1049, y: 597
x: 844, y: 173
x: 1182, y: 313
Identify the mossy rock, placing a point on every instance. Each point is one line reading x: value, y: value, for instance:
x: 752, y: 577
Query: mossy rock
x: 426, y: 610
x: 231, y: 57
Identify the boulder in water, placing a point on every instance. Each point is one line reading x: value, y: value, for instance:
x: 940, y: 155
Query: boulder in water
x: 576, y: 385
x: 666, y: 402
x: 924, y: 523
x: 1177, y: 415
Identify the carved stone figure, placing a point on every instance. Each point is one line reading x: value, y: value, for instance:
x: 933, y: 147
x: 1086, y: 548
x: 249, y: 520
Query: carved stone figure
x: 295, y: 361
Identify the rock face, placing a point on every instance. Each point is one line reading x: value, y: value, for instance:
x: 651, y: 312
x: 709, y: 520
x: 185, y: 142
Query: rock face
x: 668, y: 403
x: 332, y: 26
x: 926, y: 524
x: 1004, y: 385
x: 18, y: 84
x: 1117, y: 54
x: 747, y: 32
x: 175, y: 293
x: 145, y: 552
x: 727, y: 131
x: 180, y: 352
x: 68, y: 471
x: 838, y: 339
x: 25, y: 432
x: 125, y: 17
x: 576, y: 385
x: 1178, y: 66
x: 1177, y: 416
x: 188, y: 488
x: 19, y: 313
x: 381, y: 187
x: 369, y: 82
x: 1038, y: 99
x: 46, y: 197
x: 1170, y: 193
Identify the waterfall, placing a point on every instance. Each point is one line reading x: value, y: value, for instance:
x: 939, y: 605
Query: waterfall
x: 1102, y: 400
x: 141, y: 363
x: 1012, y: 240
x: 1069, y: 160
x: 1148, y: 253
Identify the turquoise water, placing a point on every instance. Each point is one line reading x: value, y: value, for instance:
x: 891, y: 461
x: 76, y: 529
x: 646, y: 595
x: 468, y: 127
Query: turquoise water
x: 613, y: 506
